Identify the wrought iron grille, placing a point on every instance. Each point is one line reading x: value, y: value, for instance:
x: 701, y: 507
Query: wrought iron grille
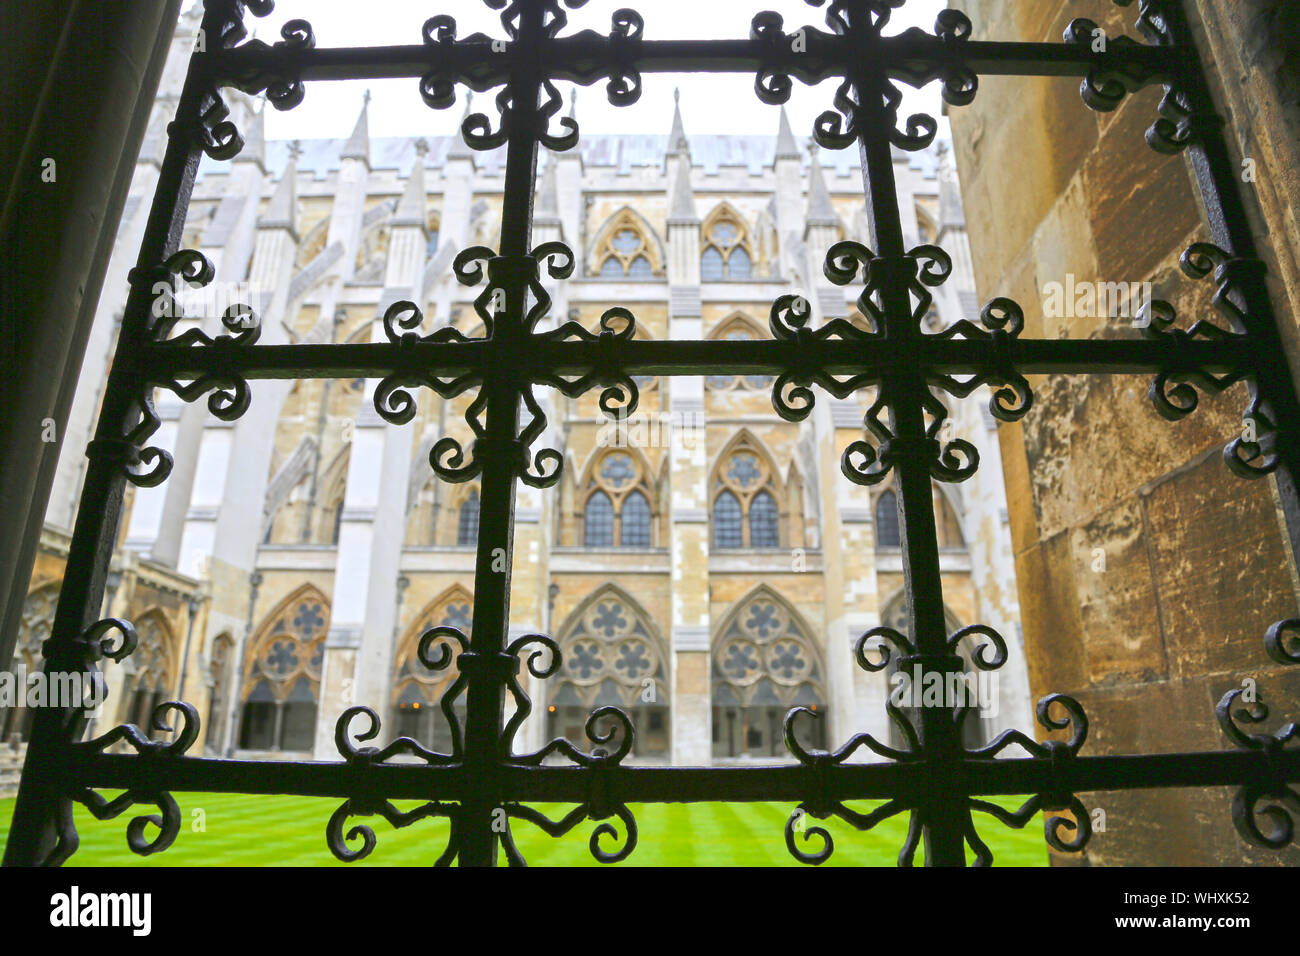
x: 931, y: 776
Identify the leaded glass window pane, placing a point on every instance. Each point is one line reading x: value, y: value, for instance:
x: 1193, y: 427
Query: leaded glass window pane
x: 887, y: 535
x: 636, y: 521
x: 467, y: 532
x: 598, y: 529
x: 711, y: 265
x: 727, y: 522
x: 298, y: 727
x: 764, y: 522
x: 739, y: 263
x: 640, y: 268
x: 611, y: 268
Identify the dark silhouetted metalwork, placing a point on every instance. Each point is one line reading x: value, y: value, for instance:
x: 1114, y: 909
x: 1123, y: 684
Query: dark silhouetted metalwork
x: 482, y: 784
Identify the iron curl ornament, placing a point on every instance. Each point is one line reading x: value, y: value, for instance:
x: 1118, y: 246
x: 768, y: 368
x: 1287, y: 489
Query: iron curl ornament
x: 365, y: 758
x: 168, y: 819
x: 1174, y: 391
x: 608, y: 728
x: 438, y: 648
x: 502, y: 279
x: 261, y: 68
x: 148, y: 466
x: 1182, y: 119
x: 1281, y: 803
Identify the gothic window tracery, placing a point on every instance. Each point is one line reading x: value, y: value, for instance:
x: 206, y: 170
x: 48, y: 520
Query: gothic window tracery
x: 626, y: 250
x: 611, y: 656
x: 727, y: 249
x: 282, y: 675
x: 467, y: 519
x: 616, y: 509
x: 149, y: 668
x: 746, y: 512
x: 417, y: 690
x: 764, y: 663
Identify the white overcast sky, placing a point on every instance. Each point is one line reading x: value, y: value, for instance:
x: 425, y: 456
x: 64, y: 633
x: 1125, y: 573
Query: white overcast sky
x: 710, y: 104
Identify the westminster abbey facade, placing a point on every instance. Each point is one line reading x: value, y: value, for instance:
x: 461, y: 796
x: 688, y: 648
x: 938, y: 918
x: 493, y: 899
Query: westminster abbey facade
x: 702, y: 565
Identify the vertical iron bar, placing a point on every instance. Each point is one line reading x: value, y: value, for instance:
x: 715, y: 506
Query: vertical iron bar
x: 903, y: 387
x: 500, y: 449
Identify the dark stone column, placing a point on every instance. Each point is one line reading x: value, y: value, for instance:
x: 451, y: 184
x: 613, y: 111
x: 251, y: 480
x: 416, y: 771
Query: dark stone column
x: 80, y: 79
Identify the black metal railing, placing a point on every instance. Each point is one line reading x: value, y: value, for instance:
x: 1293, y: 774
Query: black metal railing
x: 483, y: 784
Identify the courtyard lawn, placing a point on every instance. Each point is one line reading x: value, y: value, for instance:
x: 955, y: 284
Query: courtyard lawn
x: 254, y: 830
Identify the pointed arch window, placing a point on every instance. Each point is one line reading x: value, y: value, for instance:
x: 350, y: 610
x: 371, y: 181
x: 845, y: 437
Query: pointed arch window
x: 764, y: 662
x: 612, y: 656
x: 467, y: 520
x: 727, y: 249
x: 764, y: 522
x: 616, y: 511
x: 887, y: 531
x: 728, y: 522
x: 947, y: 524
x: 418, y: 691
x: 746, y: 509
x: 625, y: 249
x: 282, y: 675
x: 598, y: 522
x: 334, y: 486
x: 151, y: 679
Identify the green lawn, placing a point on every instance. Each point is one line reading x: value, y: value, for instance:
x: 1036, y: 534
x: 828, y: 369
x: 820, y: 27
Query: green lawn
x: 243, y: 830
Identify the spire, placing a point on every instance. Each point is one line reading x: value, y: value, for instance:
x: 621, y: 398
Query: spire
x: 459, y: 148
x: 282, y: 210
x: 786, y: 148
x: 254, y: 150
x: 820, y: 210
x: 411, y: 209
x: 677, y: 142
x: 682, y: 208
x: 358, y: 144
x: 548, y: 194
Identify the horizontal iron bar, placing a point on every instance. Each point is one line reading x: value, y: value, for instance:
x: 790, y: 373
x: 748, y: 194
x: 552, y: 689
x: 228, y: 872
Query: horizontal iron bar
x: 587, y: 57
x: 569, y: 784
x: 672, y: 357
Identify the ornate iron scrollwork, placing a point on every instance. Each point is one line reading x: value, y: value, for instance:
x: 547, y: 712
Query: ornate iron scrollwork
x: 905, y: 434
x: 1280, y: 800
x: 1115, y: 76
x: 168, y: 819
